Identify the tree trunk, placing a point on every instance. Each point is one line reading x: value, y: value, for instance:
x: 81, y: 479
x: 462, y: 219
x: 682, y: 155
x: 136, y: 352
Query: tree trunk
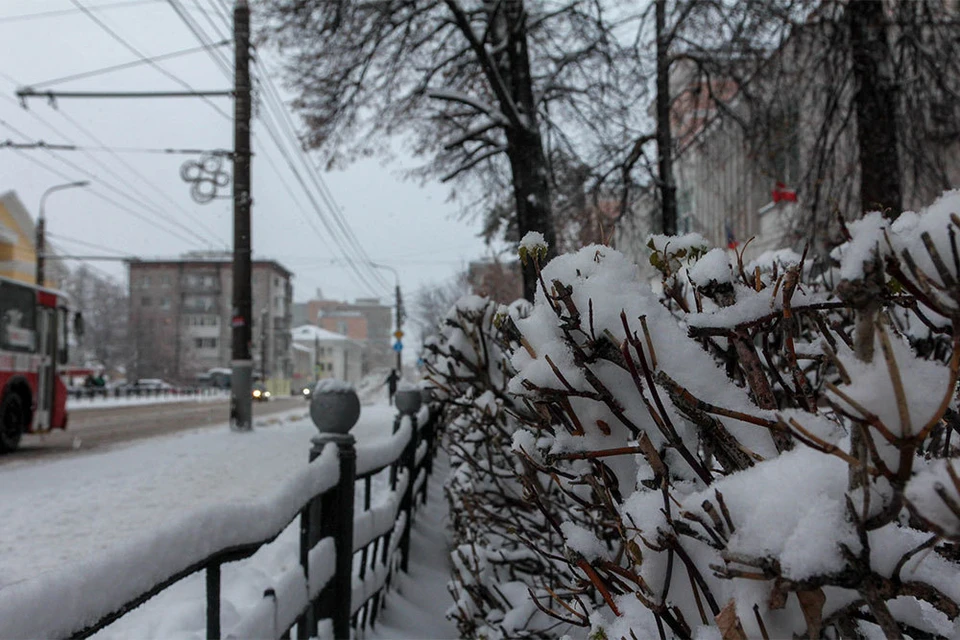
x: 666, y: 184
x: 528, y: 164
x: 875, y: 101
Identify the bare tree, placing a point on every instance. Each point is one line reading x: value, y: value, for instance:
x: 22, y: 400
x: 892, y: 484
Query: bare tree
x: 103, y: 303
x: 432, y: 303
x: 851, y: 103
x: 476, y: 83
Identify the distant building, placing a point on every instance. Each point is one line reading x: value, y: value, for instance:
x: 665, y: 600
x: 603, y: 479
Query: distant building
x: 365, y: 321
x: 180, y: 318
x: 321, y: 354
x: 18, y: 249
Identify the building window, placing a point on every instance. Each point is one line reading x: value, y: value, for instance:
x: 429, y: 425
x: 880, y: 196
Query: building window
x: 145, y: 301
x: 145, y: 281
x: 199, y: 303
x: 164, y: 303
x: 164, y: 281
x: 205, y: 343
x: 342, y: 327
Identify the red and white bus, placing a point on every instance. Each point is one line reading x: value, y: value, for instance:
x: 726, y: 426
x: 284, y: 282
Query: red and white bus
x: 34, y: 328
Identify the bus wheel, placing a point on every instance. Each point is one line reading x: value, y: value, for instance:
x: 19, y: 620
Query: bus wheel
x: 13, y: 420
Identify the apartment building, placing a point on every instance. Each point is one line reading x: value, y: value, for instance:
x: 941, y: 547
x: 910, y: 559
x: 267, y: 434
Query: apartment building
x: 180, y: 317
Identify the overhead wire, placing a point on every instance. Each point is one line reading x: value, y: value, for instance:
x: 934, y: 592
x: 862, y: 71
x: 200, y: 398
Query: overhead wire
x: 105, y: 198
x: 197, y: 224
x: 317, y: 180
x: 87, y: 263
x: 43, y: 144
x: 290, y: 129
x: 223, y: 64
x: 269, y: 121
x: 194, y: 219
x: 124, y: 65
x: 138, y: 199
x: 129, y: 47
x: 62, y: 12
x: 83, y: 243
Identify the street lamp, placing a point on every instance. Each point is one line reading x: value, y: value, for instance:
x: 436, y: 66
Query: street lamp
x: 399, y: 333
x: 41, y: 223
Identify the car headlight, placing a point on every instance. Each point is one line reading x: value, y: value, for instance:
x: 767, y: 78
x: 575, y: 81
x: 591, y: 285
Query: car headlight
x: 266, y: 394
x: 256, y: 393
x: 306, y: 392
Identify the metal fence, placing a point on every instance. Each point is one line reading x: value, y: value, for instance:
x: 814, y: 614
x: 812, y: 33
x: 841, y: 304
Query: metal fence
x: 93, y: 393
x: 378, y: 546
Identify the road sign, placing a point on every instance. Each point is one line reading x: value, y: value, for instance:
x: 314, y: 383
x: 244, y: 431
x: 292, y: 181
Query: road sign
x: 398, y: 334
x: 398, y: 346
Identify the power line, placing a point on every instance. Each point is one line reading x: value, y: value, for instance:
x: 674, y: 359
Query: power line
x: 139, y: 201
x: 349, y: 238
x: 201, y: 36
x: 317, y: 180
x: 118, y: 205
x: 125, y: 65
x: 163, y: 194
x: 129, y: 47
x: 41, y: 144
x: 63, y: 12
x: 271, y: 128
x: 82, y: 243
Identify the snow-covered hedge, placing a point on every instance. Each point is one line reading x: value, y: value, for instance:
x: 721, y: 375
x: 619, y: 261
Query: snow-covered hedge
x: 764, y: 450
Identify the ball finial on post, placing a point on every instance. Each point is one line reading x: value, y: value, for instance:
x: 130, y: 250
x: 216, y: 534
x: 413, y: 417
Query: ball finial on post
x: 334, y: 406
x: 408, y: 400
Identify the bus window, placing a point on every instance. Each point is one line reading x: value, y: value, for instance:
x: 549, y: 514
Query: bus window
x: 18, y: 318
x: 63, y: 337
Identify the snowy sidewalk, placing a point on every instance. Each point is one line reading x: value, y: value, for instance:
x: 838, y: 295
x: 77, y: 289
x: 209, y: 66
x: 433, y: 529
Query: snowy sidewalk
x: 416, y: 606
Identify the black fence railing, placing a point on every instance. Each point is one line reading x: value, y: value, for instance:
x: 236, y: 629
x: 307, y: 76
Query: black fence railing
x: 335, y: 537
x: 94, y: 393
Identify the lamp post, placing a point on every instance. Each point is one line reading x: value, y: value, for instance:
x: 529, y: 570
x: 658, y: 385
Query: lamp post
x: 399, y: 310
x: 41, y: 223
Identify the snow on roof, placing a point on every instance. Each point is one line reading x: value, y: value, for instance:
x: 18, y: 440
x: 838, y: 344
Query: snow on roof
x: 300, y: 347
x: 313, y: 332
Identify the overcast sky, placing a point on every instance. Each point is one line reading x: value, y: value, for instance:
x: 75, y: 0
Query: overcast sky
x: 399, y: 223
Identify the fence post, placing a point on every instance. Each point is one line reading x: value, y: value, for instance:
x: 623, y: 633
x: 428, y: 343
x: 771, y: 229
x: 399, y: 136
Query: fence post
x: 334, y: 409
x: 336, y: 520
x: 408, y: 403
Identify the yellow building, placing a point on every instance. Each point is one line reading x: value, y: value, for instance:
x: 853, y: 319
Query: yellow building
x: 18, y: 256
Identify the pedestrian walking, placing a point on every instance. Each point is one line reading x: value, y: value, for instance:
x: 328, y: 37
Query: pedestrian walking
x: 391, y: 383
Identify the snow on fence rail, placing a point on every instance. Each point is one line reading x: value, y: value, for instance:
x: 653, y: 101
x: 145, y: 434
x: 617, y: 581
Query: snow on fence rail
x: 89, y: 395
x: 330, y: 588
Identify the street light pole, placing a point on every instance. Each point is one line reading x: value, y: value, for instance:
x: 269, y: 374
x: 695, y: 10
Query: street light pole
x: 42, y: 223
x: 399, y: 311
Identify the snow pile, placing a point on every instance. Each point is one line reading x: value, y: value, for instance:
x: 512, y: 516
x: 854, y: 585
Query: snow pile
x: 745, y: 455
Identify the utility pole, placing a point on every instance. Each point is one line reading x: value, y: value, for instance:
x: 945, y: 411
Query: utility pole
x: 241, y: 401
x: 399, y: 333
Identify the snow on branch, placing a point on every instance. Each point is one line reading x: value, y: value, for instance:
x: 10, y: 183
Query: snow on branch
x: 752, y: 452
